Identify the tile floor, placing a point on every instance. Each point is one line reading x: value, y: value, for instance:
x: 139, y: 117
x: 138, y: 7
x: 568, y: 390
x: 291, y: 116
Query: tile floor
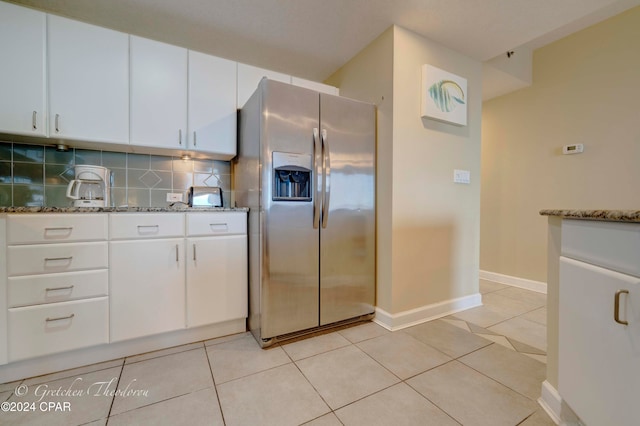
x: 483, y: 366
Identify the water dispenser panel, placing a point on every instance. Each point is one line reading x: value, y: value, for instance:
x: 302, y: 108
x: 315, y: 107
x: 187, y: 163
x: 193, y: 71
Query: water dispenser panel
x: 292, y: 177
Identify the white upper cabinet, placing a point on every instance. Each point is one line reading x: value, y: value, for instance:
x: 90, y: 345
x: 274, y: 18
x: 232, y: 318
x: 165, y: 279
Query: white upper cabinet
x: 249, y: 77
x: 158, y: 94
x: 22, y: 74
x: 212, y: 105
x: 88, y: 82
x: 314, y: 85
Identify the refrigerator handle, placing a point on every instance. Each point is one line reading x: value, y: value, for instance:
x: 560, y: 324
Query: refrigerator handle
x: 317, y: 164
x: 326, y: 177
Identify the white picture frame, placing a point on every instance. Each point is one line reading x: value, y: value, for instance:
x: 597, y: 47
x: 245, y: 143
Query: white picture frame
x: 444, y: 96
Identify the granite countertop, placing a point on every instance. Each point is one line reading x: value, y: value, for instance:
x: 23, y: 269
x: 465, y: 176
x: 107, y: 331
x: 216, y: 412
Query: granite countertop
x: 604, y: 215
x: 181, y: 209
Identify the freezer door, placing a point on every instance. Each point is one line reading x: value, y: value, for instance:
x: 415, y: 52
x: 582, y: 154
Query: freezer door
x: 347, y: 237
x: 290, y: 274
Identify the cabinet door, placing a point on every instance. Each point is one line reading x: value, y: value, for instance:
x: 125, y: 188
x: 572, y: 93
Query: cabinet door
x: 88, y: 82
x: 212, y: 105
x: 22, y: 74
x: 249, y: 77
x: 216, y: 279
x: 147, y: 294
x: 158, y: 94
x: 599, y: 359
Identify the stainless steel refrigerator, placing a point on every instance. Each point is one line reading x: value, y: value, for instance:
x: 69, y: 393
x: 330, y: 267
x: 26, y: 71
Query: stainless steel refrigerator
x: 306, y: 169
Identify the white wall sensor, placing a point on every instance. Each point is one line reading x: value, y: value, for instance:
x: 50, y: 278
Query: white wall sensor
x: 573, y: 149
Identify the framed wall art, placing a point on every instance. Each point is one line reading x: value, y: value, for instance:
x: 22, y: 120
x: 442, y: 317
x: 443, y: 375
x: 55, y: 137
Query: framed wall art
x: 444, y: 96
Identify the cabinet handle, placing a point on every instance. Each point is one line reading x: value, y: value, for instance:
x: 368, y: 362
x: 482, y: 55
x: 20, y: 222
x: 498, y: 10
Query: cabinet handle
x: 180, y: 136
x: 51, y: 259
x: 219, y: 226
x: 194, y: 139
x: 616, y: 307
x: 60, y: 318
x: 194, y: 252
x: 69, y: 287
x: 34, y: 120
x: 59, y: 228
x: 151, y: 229
x: 57, y: 123
x: 177, y: 255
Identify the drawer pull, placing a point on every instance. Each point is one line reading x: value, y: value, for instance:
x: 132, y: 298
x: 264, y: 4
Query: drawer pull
x: 616, y: 307
x: 219, y: 226
x: 60, y: 318
x: 69, y: 287
x: 59, y: 228
x: 53, y: 259
x: 148, y: 229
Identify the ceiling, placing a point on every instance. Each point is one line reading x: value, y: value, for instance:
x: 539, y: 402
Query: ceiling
x: 313, y: 38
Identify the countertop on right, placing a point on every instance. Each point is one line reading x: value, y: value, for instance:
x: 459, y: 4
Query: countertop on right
x: 604, y: 215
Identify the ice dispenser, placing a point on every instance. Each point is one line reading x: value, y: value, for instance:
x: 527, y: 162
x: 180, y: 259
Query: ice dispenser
x: 291, y: 177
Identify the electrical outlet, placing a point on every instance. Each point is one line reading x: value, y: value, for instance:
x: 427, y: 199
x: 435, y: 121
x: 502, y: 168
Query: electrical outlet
x: 462, y: 176
x: 174, y: 197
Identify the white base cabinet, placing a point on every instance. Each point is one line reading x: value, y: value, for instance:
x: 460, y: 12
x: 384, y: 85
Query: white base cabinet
x: 216, y: 279
x: 72, y: 281
x: 147, y: 287
x: 56, y: 327
x: 217, y: 288
x: 55, y: 283
x: 599, y: 355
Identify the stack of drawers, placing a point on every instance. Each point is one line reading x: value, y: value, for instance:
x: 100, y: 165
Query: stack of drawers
x: 58, y: 281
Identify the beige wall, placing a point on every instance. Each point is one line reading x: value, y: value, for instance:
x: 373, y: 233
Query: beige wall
x: 585, y: 90
x: 428, y: 227
x: 369, y: 77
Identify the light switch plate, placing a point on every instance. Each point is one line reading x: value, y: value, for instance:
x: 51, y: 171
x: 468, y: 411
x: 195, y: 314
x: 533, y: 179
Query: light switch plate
x: 461, y: 176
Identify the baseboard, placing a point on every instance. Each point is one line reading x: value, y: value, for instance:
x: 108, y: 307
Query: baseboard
x: 552, y: 403
x: 95, y: 354
x: 425, y: 313
x: 537, y: 286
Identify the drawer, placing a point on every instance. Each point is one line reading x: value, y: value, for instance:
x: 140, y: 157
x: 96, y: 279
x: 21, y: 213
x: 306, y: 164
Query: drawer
x: 216, y: 223
x: 50, y: 288
x: 610, y: 245
x: 48, y: 258
x: 55, y: 228
x: 47, y: 329
x: 142, y: 225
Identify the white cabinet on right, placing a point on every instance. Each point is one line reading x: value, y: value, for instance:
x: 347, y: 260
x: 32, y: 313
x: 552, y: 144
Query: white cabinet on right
x: 212, y: 105
x: 314, y: 85
x: 249, y: 77
x: 158, y: 94
x: 217, y: 288
x: 599, y: 322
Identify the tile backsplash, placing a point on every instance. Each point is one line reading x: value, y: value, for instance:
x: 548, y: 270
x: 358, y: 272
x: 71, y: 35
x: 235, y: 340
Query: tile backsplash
x: 37, y: 175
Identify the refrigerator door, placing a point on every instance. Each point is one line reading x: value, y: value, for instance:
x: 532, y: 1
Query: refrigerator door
x: 347, y: 237
x: 289, y: 293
